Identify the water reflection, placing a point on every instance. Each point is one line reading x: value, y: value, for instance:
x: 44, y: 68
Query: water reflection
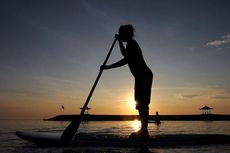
x: 136, y: 125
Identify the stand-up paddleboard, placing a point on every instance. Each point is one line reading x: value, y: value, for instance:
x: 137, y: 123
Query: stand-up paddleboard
x: 84, y: 139
x: 40, y: 138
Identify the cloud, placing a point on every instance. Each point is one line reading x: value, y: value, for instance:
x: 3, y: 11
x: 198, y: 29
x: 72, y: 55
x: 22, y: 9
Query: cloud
x: 221, y: 97
x: 216, y: 43
x: 190, y: 96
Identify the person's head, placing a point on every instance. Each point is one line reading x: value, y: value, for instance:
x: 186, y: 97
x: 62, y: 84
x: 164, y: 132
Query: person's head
x: 126, y: 32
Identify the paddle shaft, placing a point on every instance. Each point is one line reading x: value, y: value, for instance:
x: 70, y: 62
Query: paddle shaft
x: 72, y: 128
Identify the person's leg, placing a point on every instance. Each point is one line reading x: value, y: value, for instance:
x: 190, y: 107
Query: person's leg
x: 144, y: 117
x: 142, y: 97
x: 143, y: 133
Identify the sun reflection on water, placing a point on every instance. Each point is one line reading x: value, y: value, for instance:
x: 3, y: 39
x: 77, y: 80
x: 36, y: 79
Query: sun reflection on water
x: 136, y: 125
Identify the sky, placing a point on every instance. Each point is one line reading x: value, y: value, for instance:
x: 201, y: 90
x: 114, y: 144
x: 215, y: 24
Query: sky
x: 51, y: 52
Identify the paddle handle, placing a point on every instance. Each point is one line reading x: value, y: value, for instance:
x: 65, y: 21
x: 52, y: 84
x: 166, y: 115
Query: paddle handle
x: 96, y: 81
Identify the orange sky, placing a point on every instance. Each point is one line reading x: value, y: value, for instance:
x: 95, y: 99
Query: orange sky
x: 165, y: 101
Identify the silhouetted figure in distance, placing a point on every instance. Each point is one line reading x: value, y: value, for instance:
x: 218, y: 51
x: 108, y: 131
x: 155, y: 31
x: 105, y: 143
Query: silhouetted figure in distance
x: 157, y: 119
x: 143, y: 76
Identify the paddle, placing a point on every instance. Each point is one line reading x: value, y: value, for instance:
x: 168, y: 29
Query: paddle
x: 72, y: 128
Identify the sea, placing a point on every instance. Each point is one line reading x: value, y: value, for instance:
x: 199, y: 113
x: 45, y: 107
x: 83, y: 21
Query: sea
x: 10, y: 143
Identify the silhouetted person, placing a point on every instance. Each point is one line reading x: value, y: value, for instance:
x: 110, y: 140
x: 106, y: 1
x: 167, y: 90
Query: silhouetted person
x: 157, y: 119
x: 143, y: 76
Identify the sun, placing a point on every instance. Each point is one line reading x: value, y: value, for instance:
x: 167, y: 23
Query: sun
x: 132, y: 103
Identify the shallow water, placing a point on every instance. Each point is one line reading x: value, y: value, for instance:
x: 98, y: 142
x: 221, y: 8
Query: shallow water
x: 12, y: 144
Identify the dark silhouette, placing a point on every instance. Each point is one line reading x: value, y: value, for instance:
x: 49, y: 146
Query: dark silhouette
x: 143, y: 75
x: 157, y: 119
x: 144, y: 149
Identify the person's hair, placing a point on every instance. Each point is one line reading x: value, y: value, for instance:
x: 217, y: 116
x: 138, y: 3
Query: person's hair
x: 127, y: 29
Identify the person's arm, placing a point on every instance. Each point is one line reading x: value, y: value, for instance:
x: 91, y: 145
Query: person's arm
x: 115, y: 65
x: 122, y: 48
x: 121, y: 45
x: 122, y: 61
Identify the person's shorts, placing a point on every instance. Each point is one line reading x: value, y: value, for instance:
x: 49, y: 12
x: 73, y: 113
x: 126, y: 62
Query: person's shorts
x: 143, y: 87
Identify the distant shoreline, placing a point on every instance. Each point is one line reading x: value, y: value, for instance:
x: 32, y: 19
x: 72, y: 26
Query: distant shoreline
x: 93, y: 117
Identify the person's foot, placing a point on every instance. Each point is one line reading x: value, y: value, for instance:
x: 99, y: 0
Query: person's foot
x: 140, y: 135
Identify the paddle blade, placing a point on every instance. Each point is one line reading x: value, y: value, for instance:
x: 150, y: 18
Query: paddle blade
x: 69, y: 132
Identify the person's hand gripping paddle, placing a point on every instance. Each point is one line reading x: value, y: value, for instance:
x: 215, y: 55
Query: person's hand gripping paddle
x: 72, y: 128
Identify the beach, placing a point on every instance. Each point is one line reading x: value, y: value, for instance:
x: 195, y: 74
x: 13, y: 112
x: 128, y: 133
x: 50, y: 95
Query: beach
x: 10, y: 143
